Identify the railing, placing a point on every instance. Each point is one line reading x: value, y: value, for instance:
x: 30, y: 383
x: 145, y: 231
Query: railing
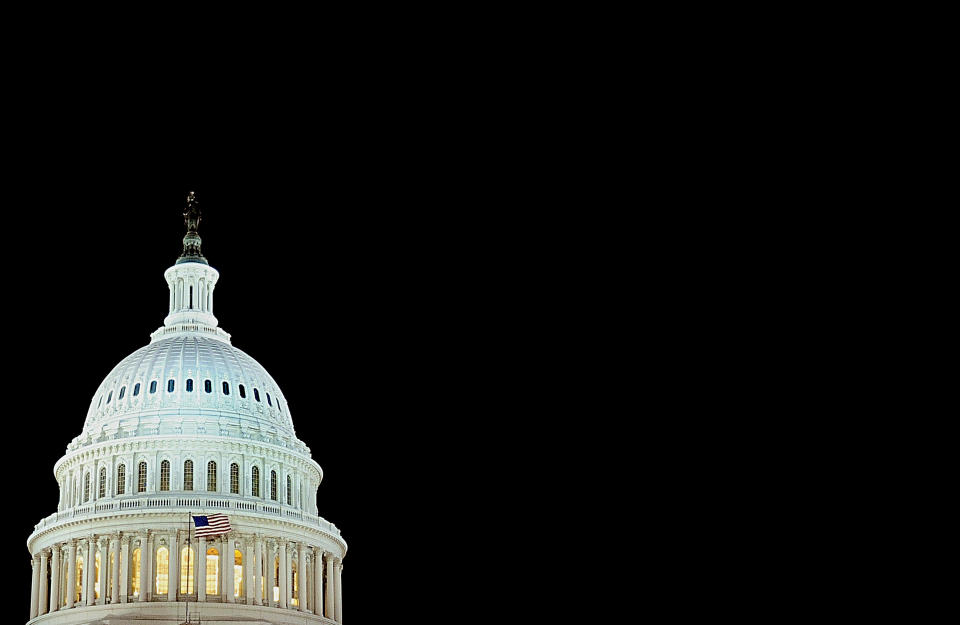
x: 192, y: 503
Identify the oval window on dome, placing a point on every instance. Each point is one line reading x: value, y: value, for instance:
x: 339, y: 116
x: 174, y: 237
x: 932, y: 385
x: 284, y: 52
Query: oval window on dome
x: 153, y: 387
x: 170, y: 386
x: 189, y: 386
x: 207, y: 386
x: 243, y: 391
x: 123, y: 389
x: 269, y: 403
x: 226, y: 388
x: 256, y: 394
x: 136, y: 389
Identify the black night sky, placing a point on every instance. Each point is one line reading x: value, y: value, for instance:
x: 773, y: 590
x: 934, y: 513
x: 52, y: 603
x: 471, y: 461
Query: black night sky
x: 361, y: 282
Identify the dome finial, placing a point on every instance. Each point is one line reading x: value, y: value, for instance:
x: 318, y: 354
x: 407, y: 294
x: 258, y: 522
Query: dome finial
x: 191, y: 242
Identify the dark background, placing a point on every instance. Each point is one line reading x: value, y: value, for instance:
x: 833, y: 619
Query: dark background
x: 366, y: 284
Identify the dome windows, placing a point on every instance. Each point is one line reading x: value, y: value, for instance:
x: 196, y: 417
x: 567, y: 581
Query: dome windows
x: 142, y: 477
x: 207, y: 386
x: 153, y: 387
x: 256, y: 394
x: 189, y: 386
x: 243, y: 391
x: 123, y: 389
x: 226, y: 388
x: 212, y: 476
x: 188, y: 475
x: 165, y: 475
x: 255, y: 481
x: 170, y: 386
x: 235, y: 478
x: 136, y: 389
x: 269, y: 403
x: 121, y: 479
x: 273, y: 485
x: 102, y: 483
x: 109, y: 397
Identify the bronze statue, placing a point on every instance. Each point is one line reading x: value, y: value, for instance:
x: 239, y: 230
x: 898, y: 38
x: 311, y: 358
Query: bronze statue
x: 191, y: 213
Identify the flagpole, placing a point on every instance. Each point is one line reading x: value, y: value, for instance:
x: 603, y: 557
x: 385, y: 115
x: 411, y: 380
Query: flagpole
x: 186, y: 610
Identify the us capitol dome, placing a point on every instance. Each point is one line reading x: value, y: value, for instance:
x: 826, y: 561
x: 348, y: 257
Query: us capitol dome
x: 187, y: 496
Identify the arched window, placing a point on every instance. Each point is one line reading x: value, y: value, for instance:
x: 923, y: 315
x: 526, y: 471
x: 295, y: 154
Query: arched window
x: 273, y: 485
x: 237, y: 572
x: 86, y: 487
x: 142, y: 477
x: 289, y: 491
x: 188, y: 475
x: 255, y: 481
x: 136, y: 389
x: 102, y: 488
x: 213, y: 571
x: 212, y: 476
x: 170, y: 386
x: 135, y: 573
x: 165, y: 476
x: 121, y: 479
x: 79, y: 588
x: 256, y: 394
x: 96, y: 576
x: 123, y: 389
x: 153, y: 386
x: 163, y: 571
x: 207, y: 386
x: 243, y: 391
x: 109, y: 396
x: 188, y: 570
x: 189, y: 386
x: 226, y: 388
x: 235, y: 478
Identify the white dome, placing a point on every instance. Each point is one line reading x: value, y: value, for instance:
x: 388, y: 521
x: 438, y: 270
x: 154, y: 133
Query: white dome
x: 135, y: 398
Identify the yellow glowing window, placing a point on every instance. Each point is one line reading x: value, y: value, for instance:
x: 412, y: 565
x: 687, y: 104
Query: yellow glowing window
x: 135, y: 576
x: 96, y: 577
x: 188, y: 570
x: 213, y: 571
x: 79, y: 580
x: 163, y: 570
x: 237, y: 572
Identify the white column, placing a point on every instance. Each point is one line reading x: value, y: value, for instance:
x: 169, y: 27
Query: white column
x: 34, y: 586
x: 71, y: 588
x: 89, y: 571
x: 339, y: 591
x: 55, y: 579
x: 43, y: 600
x: 173, y: 544
x: 257, y: 570
x: 102, y: 545
x: 124, y: 568
x: 271, y: 573
x: 284, y: 574
x: 317, y: 581
x: 302, y: 578
x: 144, y: 567
x: 248, y: 566
x: 115, y: 569
x: 201, y: 576
x: 328, y: 608
x: 210, y: 299
x: 227, y: 560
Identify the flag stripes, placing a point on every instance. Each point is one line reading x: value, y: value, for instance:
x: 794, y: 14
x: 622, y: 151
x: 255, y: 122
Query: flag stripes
x: 211, y: 525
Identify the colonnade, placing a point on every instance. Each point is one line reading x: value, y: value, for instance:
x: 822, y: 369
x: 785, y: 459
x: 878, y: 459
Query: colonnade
x: 127, y: 567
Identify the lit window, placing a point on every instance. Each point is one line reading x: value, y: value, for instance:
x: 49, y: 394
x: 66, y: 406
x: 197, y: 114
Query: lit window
x: 163, y: 571
x: 121, y: 479
x: 213, y: 571
x: 165, y: 476
x: 212, y: 476
x: 142, y: 477
x: 188, y: 475
x: 226, y: 388
x: 188, y: 569
x: 237, y: 572
x: 153, y: 387
x: 136, y: 389
x: 189, y: 386
x: 135, y: 577
x: 235, y: 478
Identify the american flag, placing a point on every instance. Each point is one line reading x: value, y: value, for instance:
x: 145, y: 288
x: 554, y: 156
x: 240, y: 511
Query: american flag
x: 211, y: 525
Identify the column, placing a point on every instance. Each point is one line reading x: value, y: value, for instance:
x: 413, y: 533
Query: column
x: 115, y: 569
x: 34, y: 586
x: 201, y: 576
x: 144, y: 566
x: 227, y: 558
x: 328, y: 608
x: 71, y: 588
x: 124, y: 568
x: 102, y: 544
x: 173, y: 544
x: 258, y: 570
x: 339, y: 592
x: 89, y: 571
x: 271, y: 573
x: 317, y: 581
x: 284, y: 574
x: 248, y: 565
x: 43, y: 601
x: 55, y: 579
x: 302, y: 577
